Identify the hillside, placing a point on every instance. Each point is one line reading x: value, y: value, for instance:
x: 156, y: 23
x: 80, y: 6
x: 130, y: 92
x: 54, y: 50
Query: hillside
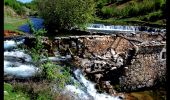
x: 12, y: 20
x: 143, y: 12
x: 122, y: 12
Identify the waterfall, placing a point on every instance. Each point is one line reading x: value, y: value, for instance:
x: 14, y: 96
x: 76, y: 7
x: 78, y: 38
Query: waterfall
x: 19, y: 70
x: 86, y: 90
x: 16, y: 68
x: 123, y: 28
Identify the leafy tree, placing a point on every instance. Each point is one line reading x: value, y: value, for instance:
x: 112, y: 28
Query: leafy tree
x: 65, y: 14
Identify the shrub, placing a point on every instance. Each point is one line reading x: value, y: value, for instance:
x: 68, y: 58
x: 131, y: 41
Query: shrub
x: 11, y: 94
x: 50, y: 71
x: 65, y: 14
x: 107, y: 11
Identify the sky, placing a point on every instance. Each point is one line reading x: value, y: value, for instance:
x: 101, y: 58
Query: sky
x: 25, y: 1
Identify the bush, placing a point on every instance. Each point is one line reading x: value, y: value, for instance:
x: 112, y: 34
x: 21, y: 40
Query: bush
x: 50, y: 71
x: 11, y: 94
x: 35, y: 90
x: 107, y: 12
x: 65, y: 14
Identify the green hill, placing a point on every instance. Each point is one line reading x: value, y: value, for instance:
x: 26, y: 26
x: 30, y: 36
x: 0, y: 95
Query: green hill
x: 12, y: 20
x: 143, y: 12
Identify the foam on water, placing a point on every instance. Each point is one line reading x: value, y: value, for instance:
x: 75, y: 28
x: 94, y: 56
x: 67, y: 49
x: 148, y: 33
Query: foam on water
x: 22, y: 70
x: 90, y: 89
x: 9, y: 44
x: 112, y: 27
x: 20, y: 42
x: 125, y: 28
x: 80, y: 93
x: 19, y: 54
x: 86, y: 90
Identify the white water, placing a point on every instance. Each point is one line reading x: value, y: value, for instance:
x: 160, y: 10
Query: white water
x: 14, y: 68
x: 19, y: 54
x: 112, y: 27
x: 124, y: 28
x: 86, y: 90
x: 10, y: 44
x: 90, y: 91
x: 19, y: 70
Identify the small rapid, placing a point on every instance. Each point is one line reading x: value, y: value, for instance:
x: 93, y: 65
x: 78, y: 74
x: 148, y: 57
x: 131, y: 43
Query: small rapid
x: 121, y: 28
x: 15, y: 61
x: 86, y: 89
x: 18, y: 64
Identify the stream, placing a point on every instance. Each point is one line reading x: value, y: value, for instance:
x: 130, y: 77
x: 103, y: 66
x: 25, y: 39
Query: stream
x: 100, y: 28
x: 18, y: 64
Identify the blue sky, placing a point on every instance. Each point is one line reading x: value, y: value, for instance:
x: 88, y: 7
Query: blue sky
x: 25, y: 1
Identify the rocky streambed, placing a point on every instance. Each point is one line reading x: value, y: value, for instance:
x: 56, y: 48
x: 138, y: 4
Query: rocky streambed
x: 106, y: 66
x: 18, y: 65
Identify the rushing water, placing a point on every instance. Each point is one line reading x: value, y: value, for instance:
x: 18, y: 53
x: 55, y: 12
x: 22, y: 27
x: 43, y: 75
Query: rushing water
x: 86, y: 89
x: 123, y: 28
x: 14, y: 66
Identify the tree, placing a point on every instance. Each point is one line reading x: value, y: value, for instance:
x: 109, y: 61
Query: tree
x: 65, y: 14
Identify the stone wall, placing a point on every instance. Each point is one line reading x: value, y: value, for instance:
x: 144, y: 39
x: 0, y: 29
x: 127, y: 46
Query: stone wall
x: 94, y: 44
x: 145, y: 71
x: 133, y: 62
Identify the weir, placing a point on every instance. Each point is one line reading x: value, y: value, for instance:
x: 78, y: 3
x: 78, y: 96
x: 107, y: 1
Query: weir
x: 133, y: 61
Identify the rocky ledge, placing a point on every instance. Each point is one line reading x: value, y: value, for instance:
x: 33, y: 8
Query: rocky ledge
x: 125, y: 62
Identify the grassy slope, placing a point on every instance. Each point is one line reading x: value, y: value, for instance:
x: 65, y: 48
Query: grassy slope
x: 136, y: 20
x: 131, y: 21
x: 11, y: 20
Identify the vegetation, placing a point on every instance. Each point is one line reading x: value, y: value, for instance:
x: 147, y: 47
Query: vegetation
x: 12, y: 20
x: 129, y: 8
x: 17, y: 6
x: 10, y: 94
x: 142, y: 11
x: 49, y: 70
x: 51, y: 74
x: 65, y: 14
x: 12, y: 23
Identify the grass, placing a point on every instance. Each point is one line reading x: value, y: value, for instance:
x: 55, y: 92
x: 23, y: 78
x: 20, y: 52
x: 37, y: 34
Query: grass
x: 11, y: 20
x: 132, y: 21
x: 12, y: 23
x: 134, y: 12
x: 10, y: 95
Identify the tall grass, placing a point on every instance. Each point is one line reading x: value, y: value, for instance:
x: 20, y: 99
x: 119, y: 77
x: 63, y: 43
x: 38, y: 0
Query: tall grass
x: 134, y: 8
x: 10, y: 94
